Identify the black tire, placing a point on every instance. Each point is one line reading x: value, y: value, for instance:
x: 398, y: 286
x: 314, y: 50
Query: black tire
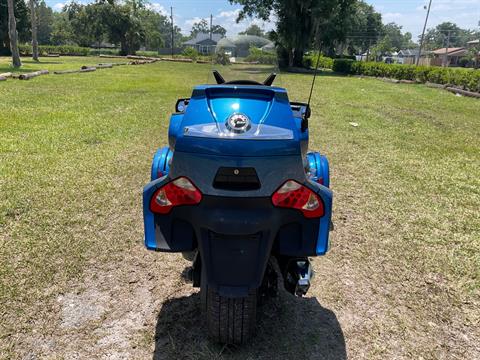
x: 231, y: 320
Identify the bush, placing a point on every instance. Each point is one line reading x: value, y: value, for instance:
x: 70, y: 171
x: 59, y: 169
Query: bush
x: 260, y: 56
x: 467, y: 79
x: 191, y: 53
x: 96, y: 52
x: 221, y: 58
x: 324, y: 62
x: 464, y: 62
x: 72, y: 50
x: 343, y: 65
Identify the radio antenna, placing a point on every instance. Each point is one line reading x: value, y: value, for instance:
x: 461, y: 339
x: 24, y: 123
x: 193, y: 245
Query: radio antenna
x: 316, y: 69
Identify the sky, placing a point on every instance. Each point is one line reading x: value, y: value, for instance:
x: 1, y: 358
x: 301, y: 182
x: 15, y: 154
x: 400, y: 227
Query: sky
x: 408, y: 13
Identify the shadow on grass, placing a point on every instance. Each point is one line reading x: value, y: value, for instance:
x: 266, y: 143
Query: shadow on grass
x: 288, y: 328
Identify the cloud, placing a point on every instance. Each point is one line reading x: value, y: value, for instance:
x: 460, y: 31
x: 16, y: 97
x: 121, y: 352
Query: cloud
x: 228, y: 19
x: 228, y: 14
x: 58, y: 6
x: 157, y: 8
x: 392, y: 16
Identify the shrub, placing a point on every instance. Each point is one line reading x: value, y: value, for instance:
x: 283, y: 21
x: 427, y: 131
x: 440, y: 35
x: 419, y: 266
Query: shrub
x: 343, y: 65
x: 96, y: 52
x: 221, y: 58
x: 468, y: 79
x: 324, y: 62
x: 26, y: 50
x: 190, y: 53
x: 464, y: 62
x: 263, y: 57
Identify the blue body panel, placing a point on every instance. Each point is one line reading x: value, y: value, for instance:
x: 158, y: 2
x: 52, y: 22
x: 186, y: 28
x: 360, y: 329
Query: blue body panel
x: 275, y: 146
x: 268, y: 109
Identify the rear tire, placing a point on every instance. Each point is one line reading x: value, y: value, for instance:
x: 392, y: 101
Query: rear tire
x: 231, y: 320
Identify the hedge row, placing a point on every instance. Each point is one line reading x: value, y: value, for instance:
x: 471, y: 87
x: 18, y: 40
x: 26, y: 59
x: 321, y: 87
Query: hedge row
x: 468, y: 79
x: 262, y: 57
x: 324, y: 62
x: 71, y: 50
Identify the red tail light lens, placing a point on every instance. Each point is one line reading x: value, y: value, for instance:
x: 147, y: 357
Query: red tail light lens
x: 180, y: 191
x: 296, y: 196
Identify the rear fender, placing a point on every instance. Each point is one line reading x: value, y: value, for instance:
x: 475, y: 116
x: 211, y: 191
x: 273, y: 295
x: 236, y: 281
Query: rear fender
x: 327, y: 197
x: 148, y: 216
x: 319, y: 170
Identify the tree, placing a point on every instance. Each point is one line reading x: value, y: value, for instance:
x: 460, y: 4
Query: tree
x: 12, y: 33
x: 23, y: 25
x: 364, y: 28
x: 152, y: 24
x: 62, y: 32
x: 254, y: 30
x: 33, y: 20
x: 203, y: 27
x: 45, y: 22
x: 437, y: 37
x: 299, y: 21
x: 397, y: 38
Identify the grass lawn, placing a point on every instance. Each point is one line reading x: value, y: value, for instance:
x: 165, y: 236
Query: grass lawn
x: 402, y: 278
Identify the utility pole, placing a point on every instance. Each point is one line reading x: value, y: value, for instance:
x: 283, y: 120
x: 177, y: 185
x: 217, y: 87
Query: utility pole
x: 211, y: 21
x: 171, y: 18
x: 368, y: 50
x: 446, y: 49
x: 423, y: 33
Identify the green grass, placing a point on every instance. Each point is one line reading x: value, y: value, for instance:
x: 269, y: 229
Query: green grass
x: 76, y: 150
x: 53, y: 63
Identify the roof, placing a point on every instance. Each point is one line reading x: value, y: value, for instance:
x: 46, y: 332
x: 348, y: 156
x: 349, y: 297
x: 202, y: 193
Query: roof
x: 449, y: 51
x: 410, y: 52
x: 473, y: 42
x: 201, y: 36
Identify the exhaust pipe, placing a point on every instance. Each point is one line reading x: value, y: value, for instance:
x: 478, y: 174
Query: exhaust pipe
x: 298, y: 275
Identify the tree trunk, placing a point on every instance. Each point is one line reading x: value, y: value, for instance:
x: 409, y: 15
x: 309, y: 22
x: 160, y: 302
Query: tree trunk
x: 290, y: 57
x: 33, y: 15
x: 12, y: 33
x: 298, y: 58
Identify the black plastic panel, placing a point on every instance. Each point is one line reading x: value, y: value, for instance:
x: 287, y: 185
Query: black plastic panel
x: 237, y: 179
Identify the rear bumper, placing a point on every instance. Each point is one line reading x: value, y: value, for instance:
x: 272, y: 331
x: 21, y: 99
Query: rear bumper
x: 235, y: 237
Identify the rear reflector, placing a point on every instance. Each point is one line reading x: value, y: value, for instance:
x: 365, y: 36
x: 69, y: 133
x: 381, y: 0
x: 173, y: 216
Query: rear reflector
x: 180, y: 191
x: 296, y: 196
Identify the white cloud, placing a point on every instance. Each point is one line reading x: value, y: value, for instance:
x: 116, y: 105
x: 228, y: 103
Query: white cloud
x: 158, y: 8
x: 228, y: 14
x: 228, y: 19
x: 58, y: 6
x: 392, y: 16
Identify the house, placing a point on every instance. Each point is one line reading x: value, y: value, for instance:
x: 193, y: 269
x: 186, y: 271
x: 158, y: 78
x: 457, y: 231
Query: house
x: 449, y: 56
x: 239, y: 46
x: 410, y: 56
x: 473, y: 43
x: 204, y: 43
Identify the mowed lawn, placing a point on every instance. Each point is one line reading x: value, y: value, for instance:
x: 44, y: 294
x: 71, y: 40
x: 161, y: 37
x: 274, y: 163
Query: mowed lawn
x: 402, y: 279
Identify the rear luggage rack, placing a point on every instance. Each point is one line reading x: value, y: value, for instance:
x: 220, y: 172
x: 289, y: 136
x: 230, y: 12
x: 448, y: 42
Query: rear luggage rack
x: 237, y: 179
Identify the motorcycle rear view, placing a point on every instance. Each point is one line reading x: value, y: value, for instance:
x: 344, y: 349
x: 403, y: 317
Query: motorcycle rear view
x: 237, y: 191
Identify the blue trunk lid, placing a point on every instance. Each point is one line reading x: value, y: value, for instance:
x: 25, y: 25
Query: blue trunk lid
x: 205, y: 127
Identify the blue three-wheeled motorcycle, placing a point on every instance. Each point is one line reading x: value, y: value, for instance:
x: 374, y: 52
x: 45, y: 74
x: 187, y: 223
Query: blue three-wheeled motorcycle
x: 238, y: 193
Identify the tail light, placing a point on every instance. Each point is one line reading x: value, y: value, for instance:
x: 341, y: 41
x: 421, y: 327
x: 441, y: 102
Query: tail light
x: 296, y: 196
x: 180, y: 191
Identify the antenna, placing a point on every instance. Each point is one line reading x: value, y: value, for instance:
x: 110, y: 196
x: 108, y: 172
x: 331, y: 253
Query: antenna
x: 316, y: 70
x: 313, y: 81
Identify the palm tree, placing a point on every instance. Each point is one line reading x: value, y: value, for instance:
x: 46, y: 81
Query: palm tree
x: 33, y: 15
x: 12, y: 33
